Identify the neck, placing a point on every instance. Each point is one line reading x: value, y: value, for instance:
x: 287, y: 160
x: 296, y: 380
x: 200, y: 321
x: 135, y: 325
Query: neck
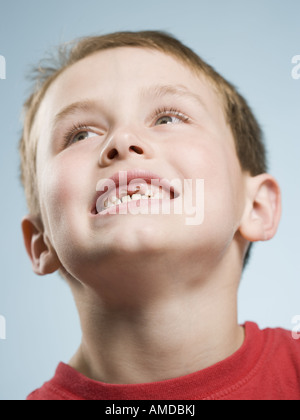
x: 181, y: 332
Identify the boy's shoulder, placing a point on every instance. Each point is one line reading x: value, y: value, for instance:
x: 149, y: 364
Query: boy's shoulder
x: 266, y: 367
x: 284, y: 347
x: 275, y: 374
x: 284, y: 352
x: 59, y: 388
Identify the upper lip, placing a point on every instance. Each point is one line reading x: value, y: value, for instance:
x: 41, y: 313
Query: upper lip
x: 132, y: 174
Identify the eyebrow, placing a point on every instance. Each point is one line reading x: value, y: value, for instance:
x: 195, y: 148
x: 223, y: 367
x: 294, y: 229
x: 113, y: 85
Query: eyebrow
x: 156, y: 91
x: 175, y: 90
x: 74, y: 108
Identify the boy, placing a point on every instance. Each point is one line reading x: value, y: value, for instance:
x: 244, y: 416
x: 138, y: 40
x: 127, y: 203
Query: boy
x: 120, y: 141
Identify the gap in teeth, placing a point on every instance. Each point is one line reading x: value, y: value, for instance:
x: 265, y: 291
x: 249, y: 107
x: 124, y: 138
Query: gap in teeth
x: 115, y: 201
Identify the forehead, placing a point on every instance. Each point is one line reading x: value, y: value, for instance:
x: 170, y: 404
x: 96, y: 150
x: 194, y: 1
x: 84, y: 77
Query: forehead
x: 122, y: 73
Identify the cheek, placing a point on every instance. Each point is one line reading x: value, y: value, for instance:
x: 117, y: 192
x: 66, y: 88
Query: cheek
x: 218, y: 166
x: 57, y: 185
x: 62, y: 196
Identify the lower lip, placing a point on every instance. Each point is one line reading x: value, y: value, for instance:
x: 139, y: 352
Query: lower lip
x: 152, y: 206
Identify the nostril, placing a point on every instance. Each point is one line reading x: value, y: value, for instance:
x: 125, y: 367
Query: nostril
x: 112, y: 154
x: 136, y: 149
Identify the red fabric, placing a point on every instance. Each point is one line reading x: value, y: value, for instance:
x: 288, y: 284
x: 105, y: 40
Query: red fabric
x: 266, y: 367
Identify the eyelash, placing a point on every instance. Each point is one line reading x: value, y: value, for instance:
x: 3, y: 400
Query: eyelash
x: 73, y: 131
x: 165, y: 111
x: 158, y: 113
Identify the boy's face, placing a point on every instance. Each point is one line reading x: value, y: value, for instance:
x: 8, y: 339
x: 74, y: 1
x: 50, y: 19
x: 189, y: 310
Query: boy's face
x: 143, y: 110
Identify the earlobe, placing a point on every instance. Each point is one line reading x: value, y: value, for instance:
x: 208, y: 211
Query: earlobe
x: 41, y: 253
x: 262, y: 210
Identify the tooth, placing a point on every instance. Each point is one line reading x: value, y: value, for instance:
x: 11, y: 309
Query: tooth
x: 113, y: 199
x: 136, y: 197
x: 149, y: 194
x: 126, y: 199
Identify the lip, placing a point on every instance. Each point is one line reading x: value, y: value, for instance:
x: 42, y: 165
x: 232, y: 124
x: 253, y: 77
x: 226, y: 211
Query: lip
x: 104, y: 187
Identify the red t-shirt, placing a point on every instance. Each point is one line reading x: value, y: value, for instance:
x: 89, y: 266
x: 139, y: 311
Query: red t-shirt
x: 266, y: 367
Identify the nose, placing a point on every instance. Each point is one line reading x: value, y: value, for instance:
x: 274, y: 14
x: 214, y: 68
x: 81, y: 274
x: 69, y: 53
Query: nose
x: 121, y: 145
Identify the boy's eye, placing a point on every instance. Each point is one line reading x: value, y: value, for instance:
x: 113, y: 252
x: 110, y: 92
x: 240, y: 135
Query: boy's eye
x: 83, y: 135
x: 167, y: 119
x: 165, y: 116
x: 78, y: 133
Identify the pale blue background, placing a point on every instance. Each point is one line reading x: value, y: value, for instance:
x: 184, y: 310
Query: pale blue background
x: 252, y: 44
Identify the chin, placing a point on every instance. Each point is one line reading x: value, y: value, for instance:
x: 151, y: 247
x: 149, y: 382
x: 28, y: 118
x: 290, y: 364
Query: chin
x: 137, y: 238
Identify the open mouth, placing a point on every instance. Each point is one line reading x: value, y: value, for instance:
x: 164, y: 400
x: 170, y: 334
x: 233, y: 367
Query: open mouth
x: 141, y: 187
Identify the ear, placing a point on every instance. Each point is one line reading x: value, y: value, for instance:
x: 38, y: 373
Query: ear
x: 41, y: 253
x: 263, y: 208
